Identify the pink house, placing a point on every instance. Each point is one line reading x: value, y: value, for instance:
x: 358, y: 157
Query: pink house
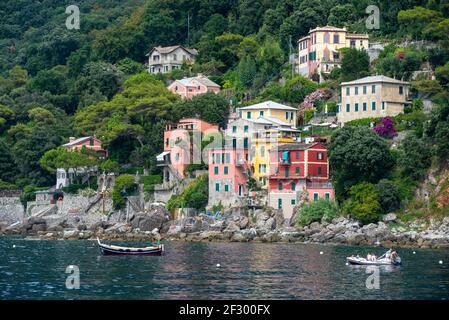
x: 91, y: 143
x: 228, y: 175
x: 180, y: 143
x: 187, y: 88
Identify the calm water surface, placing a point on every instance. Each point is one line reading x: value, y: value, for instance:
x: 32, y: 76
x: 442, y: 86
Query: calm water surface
x: 36, y: 270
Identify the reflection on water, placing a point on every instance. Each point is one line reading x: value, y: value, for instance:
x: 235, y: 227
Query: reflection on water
x: 36, y: 270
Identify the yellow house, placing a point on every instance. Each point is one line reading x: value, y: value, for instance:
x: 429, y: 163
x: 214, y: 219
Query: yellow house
x: 269, y: 110
x: 318, y: 52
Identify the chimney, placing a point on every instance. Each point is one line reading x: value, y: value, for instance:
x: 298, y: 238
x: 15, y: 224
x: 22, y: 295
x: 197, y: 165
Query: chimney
x: 200, y: 75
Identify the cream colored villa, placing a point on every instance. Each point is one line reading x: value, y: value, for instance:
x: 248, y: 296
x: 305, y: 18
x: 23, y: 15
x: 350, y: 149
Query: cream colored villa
x: 318, y: 51
x: 374, y: 96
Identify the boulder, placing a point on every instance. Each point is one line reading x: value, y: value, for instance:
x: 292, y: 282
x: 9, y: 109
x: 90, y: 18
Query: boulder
x: 239, y: 237
x: 147, y: 222
x: 70, y: 234
x: 391, y: 217
x: 243, y: 223
x: 232, y: 227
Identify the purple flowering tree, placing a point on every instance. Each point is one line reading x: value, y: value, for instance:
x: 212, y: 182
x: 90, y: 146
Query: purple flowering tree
x: 385, y: 128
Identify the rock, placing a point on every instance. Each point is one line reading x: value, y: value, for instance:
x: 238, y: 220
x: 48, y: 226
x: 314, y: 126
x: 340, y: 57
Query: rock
x: 34, y: 224
x: 270, y: 224
x: 147, y: 222
x: 271, y: 237
x: 232, y: 227
x: 210, y: 235
x: 239, y: 237
x: 391, y: 217
x: 243, y: 223
x: 250, y: 234
x: 82, y: 227
x: 355, y: 239
x: 314, y: 226
x: 70, y: 234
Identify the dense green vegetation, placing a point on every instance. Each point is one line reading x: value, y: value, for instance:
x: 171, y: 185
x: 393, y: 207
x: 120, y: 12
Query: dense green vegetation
x: 56, y: 83
x: 317, y: 211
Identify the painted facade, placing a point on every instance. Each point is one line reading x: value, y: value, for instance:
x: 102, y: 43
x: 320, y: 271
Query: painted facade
x: 296, y: 169
x: 179, y: 143
x: 374, y: 96
x: 228, y: 175
x: 318, y: 52
x: 270, y: 110
x: 167, y: 59
x: 187, y: 88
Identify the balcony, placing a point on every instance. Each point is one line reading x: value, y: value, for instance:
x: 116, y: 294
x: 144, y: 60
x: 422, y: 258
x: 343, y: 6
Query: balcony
x: 163, y: 159
x: 319, y: 185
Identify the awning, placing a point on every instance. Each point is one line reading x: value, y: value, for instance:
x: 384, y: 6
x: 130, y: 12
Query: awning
x: 162, y: 155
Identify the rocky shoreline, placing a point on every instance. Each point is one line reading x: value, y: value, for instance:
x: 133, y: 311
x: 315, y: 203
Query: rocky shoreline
x: 241, y: 225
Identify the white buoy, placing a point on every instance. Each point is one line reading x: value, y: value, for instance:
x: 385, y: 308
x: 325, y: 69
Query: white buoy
x: 13, y: 245
x: 321, y: 252
x: 347, y: 264
x: 440, y: 262
x: 218, y: 265
x: 414, y: 252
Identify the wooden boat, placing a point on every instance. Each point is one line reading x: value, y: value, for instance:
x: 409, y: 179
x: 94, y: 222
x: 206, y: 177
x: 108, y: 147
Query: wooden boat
x: 111, y: 250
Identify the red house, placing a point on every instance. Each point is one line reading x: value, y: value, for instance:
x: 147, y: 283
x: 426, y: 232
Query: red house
x: 297, y: 168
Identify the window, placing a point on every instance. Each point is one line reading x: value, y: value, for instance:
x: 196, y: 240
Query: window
x: 234, y: 129
x: 176, y: 88
x: 262, y: 151
x: 348, y: 91
x: 401, y: 90
x: 364, y: 106
x: 356, y: 90
x: 356, y: 107
x: 327, y: 196
x: 336, y: 38
x: 228, y: 158
x: 352, y: 44
x: 293, y: 202
x: 364, y: 89
x: 312, y: 55
x: 373, y: 105
x: 91, y: 142
x: 226, y: 170
x: 383, y: 105
x: 215, y: 170
x: 336, y: 56
x: 279, y: 186
x: 348, y: 107
x: 279, y: 203
x: 315, y: 196
x: 261, y: 113
x: 373, y: 88
x: 226, y: 188
x: 276, y: 170
x: 166, y: 68
x: 361, y: 43
x: 320, y: 156
x: 248, y: 115
x: 286, y: 172
x: 245, y: 129
x: 297, y: 170
x: 245, y: 143
x: 234, y: 143
x: 319, y: 171
x: 293, y: 186
x: 177, y: 157
x: 174, y: 57
x: 297, y: 155
x: 326, y: 38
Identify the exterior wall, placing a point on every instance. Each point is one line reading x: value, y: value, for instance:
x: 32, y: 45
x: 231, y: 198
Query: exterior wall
x: 322, y: 43
x: 233, y: 161
x: 284, y: 201
x: 167, y: 62
x: 321, y: 193
x: 188, y: 92
x: 91, y: 144
x: 386, y: 93
x: 275, y: 113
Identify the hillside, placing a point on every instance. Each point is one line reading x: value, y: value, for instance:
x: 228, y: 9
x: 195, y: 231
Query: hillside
x: 56, y: 83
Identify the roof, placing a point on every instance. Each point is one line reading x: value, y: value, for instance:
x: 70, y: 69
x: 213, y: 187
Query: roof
x: 357, y: 35
x: 372, y: 79
x: 268, y: 105
x: 272, y: 121
x: 172, y: 48
x: 295, y: 146
x: 77, y: 141
x: 160, y: 157
x: 328, y: 28
x: 204, y: 80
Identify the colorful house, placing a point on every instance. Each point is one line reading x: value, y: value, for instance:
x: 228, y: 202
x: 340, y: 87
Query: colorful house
x: 167, y: 59
x: 374, y: 96
x: 182, y: 146
x: 228, y: 175
x: 65, y: 177
x: 298, y: 169
x: 187, y: 88
x: 318, y: 52
x: 270, y: 110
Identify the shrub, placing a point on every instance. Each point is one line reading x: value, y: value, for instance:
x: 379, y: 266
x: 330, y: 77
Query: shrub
x: 385, y: 128
x: 363, y: 203
x: 150, y: 181
x: 7, y: 186
x: 196, y: 195
x: 389, y: 196
x: 317, y: 210
x: 365, y: 122
x: 124, y: 185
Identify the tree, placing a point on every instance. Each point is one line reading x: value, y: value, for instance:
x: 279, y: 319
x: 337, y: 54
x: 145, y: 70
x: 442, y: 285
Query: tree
x: 354, y: 64
x: 342, y: 15
x: 123, y: 186
x: 358, y: 155
x: 316, y: 211
x: 414, y: 157
x: 442, y: 74
x: 414, y: 20
x: 247, y: 71
x: 389, y: 196
x: 8, y: 168
x: 363, y: 203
